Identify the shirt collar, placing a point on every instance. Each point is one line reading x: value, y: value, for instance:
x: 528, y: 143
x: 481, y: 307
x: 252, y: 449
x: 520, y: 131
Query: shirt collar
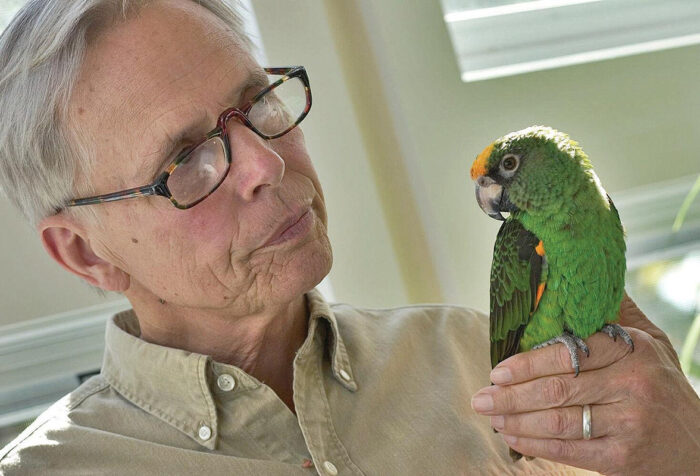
x: 340, y: 361
x: 175, y: 385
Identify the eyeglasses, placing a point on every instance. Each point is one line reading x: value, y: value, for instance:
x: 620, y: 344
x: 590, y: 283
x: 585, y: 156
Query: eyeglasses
x: 199, y: 169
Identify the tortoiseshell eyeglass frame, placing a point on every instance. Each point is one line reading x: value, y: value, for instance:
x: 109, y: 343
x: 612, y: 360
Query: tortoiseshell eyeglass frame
x: 160, y: 187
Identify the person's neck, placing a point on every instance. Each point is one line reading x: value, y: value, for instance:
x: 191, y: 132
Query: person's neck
x: 263, y: 344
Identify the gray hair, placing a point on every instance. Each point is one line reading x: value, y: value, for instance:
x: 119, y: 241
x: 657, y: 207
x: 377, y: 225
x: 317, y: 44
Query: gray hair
x: 41, y: 52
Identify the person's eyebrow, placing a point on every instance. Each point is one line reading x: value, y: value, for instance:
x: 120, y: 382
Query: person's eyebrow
x: 173, y: 142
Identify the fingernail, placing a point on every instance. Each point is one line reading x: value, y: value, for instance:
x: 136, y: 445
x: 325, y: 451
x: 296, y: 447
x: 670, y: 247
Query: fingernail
x: 501, y: 375
x: 482, y: 402
x: 510, y: 439
x: 497, y: 422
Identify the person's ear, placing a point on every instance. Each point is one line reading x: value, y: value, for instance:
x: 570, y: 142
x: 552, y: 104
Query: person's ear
x: 66, y: 242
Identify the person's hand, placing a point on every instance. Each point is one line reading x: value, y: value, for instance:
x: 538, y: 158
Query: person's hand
x: 645, y: 415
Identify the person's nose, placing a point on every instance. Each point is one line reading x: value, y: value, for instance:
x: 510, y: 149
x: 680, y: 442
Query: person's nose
x: 254, y: 164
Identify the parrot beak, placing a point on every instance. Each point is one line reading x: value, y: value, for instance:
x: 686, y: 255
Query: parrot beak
x: 489, y: 195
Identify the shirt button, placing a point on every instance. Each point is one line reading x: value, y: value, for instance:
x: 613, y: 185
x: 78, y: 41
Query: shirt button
x: 204, y: 432
x: 330, y: 467
x: 226, y: 382
x: 344, y: 375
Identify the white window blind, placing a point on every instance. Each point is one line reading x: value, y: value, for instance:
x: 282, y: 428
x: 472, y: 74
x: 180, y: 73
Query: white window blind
x: 496, y: 38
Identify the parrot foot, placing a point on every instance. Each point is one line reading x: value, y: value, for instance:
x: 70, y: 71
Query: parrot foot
x: 572, y: 343
x: 615, y: 331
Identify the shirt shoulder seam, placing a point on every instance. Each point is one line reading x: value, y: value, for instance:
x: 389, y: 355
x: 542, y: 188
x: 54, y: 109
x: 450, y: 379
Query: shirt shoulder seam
x: 90, y: 389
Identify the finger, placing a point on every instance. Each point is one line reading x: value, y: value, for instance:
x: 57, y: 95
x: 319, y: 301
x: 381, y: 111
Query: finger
x: 595, y: 386
x: 555, y: 360
x: 562, y: 423
x: 589, y: 454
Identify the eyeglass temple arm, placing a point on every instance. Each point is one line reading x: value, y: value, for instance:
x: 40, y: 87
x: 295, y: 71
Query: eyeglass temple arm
x: 152, y: 189
x: 282, y: 70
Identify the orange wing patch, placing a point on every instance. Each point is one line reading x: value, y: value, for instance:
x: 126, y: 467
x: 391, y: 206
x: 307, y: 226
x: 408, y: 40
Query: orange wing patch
x: 540, y: 248
x: 479, y: 165
x: 540, y: 290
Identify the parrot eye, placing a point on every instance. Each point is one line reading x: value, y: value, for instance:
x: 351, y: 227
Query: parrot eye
x: 510, y: 162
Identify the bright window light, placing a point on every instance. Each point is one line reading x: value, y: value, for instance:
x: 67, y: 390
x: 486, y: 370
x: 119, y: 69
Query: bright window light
x: 493, y: 38
x: 516, y: 7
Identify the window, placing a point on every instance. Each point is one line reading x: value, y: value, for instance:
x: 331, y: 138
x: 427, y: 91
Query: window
x: 496, y: 38
x: 663, y: 267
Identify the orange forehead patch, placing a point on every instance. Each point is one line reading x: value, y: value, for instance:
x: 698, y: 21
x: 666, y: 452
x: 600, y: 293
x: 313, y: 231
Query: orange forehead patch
x: 479, y: 165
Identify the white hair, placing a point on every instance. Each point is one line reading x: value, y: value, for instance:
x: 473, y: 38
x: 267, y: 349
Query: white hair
x: 41, y: 53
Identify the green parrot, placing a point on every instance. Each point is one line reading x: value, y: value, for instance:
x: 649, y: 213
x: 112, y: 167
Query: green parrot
x: 558, y: 270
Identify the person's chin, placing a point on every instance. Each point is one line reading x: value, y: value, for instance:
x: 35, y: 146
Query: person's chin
x: 309, y: 264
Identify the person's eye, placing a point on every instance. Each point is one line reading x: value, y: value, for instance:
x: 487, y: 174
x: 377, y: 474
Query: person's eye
x: 183, y: 151
x: 250, y: 93
x: 167, y: 162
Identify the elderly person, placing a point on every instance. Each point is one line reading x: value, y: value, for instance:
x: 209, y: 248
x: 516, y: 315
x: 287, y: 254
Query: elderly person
x: 230, y: 361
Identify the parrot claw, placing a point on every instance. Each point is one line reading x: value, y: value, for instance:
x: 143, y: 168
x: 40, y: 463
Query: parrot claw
x: 615, y: 331
x: 572, y: 343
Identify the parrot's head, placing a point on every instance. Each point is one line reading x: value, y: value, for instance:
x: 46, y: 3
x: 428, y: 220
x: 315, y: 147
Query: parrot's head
x: 530, y: 171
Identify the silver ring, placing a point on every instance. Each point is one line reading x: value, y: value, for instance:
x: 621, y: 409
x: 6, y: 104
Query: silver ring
x: 587, y: 422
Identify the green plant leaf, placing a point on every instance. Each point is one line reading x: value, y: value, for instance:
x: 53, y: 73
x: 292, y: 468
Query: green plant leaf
x: 689, y: 345
x: 680, y: 216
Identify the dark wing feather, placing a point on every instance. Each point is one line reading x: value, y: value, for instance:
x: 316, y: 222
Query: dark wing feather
x: 516, y: 272
x: 612, y: 207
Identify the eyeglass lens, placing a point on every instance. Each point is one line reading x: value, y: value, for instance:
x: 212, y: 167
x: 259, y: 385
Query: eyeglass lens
x: 278, y: 110
x: 196, y: 176
x: 205, y: 167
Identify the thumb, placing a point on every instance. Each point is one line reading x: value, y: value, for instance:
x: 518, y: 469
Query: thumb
x: 632, y: 316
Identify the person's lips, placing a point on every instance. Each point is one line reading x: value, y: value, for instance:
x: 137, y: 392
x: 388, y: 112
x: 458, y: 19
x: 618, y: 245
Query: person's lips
x: 292, y: 227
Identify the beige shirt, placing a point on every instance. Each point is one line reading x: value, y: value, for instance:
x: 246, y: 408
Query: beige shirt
x: 376, y: 391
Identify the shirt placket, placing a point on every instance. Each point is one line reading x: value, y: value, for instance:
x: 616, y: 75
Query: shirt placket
x: 313, y: 411
x: 252, y: 411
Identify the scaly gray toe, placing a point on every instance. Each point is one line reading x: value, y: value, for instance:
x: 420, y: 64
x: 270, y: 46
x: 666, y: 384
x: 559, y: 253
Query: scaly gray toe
x: 572, y: 343
x: 615, y: 331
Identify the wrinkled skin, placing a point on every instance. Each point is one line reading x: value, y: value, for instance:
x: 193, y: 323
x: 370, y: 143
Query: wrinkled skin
x: 645, y: 415
x: 196, y: 278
